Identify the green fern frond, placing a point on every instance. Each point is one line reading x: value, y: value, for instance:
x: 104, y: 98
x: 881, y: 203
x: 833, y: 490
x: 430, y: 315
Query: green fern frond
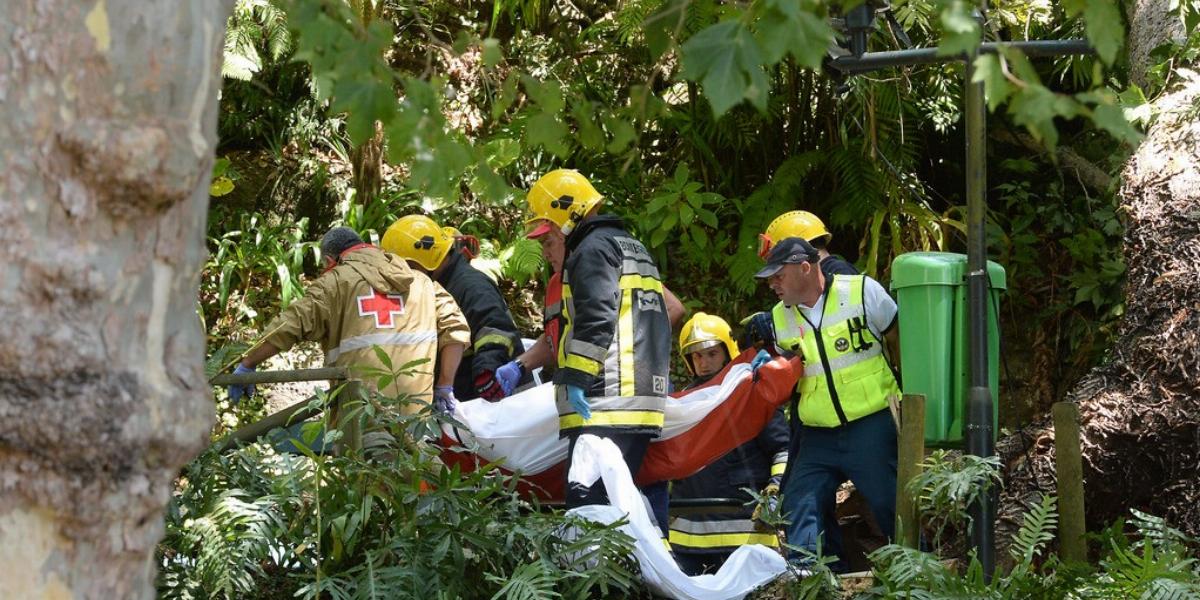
x: 531, y: 581
x: 1036, y: 531
x: 522, y: 261
x: 1157, y: 530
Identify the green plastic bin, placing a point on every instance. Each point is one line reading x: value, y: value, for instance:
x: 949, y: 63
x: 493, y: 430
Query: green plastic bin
x: 931, y: 293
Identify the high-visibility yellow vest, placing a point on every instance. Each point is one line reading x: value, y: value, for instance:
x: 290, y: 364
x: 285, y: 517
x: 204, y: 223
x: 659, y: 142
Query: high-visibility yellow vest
x: 846, y: 375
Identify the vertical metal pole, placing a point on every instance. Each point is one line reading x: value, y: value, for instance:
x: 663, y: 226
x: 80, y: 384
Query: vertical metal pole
x: 979, y: 397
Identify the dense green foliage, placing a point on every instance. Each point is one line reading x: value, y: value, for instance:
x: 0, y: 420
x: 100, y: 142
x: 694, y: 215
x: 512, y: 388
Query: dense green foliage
x: 700, y: 121
x: 646, y: 98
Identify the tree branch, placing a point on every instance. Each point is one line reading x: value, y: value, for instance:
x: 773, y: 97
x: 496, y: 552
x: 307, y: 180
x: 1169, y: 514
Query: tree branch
x: 1089, y: 174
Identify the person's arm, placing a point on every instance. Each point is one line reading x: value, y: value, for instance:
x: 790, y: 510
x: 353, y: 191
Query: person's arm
x: 538, y: 355
x: 452, y: 332
x: 258, y: 354
x: 883, y: 318
x: 305, y: 320
x: 675, y: 308
x: 891, y: 337
x: 449, y: 357
x: 773, y: 442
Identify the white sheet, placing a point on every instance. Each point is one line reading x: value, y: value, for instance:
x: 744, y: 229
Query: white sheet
x: 748, y: 568
x: 523, y: 428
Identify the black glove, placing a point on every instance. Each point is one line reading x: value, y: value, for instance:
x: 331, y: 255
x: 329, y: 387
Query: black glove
x: 759, y: 330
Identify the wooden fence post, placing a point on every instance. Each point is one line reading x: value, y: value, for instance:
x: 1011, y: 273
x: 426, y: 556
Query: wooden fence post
x: 1069, y: 468
x: 910, y: 454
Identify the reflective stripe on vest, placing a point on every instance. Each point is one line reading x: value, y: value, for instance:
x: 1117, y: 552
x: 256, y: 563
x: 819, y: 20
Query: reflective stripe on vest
x: 846, y: 375
x: 709, y: 535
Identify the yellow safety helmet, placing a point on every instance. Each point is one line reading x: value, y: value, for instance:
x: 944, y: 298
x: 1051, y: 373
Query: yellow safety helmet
x: 419, y: 239
x: 704, y: 331
x: 795, y: 223
x: 562, y: 197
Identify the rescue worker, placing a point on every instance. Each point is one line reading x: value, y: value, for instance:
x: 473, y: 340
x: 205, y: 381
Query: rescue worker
x: 367, y: 298
x: 841, y: 425
x: 544, y: 351
x: 430, y: 249
x: 801, y: 224
x: 614, y: 349
x: 703, y: 542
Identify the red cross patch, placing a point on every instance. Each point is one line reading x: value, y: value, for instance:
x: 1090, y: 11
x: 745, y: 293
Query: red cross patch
x: 383, y: 306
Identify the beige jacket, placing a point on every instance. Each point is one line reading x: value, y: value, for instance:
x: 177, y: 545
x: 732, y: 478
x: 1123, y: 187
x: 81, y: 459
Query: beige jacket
x: 374, y: 299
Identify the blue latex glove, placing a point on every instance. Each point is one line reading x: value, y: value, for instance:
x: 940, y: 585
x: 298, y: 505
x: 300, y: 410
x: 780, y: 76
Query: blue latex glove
x: 237, y: 391
x: 760, y: 359
x: 508, y: 375
x: 443, y: 399
x: 578, y: 402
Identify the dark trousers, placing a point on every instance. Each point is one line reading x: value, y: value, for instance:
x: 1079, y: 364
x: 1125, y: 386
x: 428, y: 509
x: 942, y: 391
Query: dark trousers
x: 862, y: 451
x: 633, y: 449
x: 659, y: 497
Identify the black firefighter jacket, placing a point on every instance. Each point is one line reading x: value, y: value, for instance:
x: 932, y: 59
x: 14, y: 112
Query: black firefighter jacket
x: 494, y: 337
x: 616, y: 339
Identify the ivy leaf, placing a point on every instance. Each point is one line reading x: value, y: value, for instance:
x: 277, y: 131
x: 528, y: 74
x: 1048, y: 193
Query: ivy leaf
x: 365, y: 101
x: 1035, y: 107
x: 1109, y: 116
x: 547, y: 95
x: 787, y: 27
x: 961, y: 33
x: 1103, y: 23
x: 681, y: 174
x: 725, y: 59
x: 659, y: 25
x: 508, y: 95
x: 622, y: 131
x: 590, y: 135
x: 501, y: 152
x: 995, y: 85
x: 547, y: 131
x: 491, y: 54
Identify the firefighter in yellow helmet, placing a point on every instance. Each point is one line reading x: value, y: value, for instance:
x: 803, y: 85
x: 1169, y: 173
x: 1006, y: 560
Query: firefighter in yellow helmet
x: 613, y: 351
x: 557, y: 201
x: 793, y: 224
x: 702, y: 542
x: 440, y: 253
x: 805, y: 225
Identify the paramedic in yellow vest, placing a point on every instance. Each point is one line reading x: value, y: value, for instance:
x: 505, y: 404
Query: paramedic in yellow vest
x: 368, y: 298
x: 841, y: 426
x: 703, y: 541
x: 614, y: 350
x: 801, y: 224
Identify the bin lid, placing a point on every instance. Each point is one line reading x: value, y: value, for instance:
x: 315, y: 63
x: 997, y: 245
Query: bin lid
x: 914, y: 269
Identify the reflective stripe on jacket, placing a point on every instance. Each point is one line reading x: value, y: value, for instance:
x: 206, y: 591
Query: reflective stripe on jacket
x: 717, y: 534
x: 616, y: 339
x: 494, y: 337
x: 374, y: 299
x: 846, y: 375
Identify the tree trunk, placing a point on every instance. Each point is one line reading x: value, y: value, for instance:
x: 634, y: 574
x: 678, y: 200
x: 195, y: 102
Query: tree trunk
x: 1140, y: 412
x: 107, y: 131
